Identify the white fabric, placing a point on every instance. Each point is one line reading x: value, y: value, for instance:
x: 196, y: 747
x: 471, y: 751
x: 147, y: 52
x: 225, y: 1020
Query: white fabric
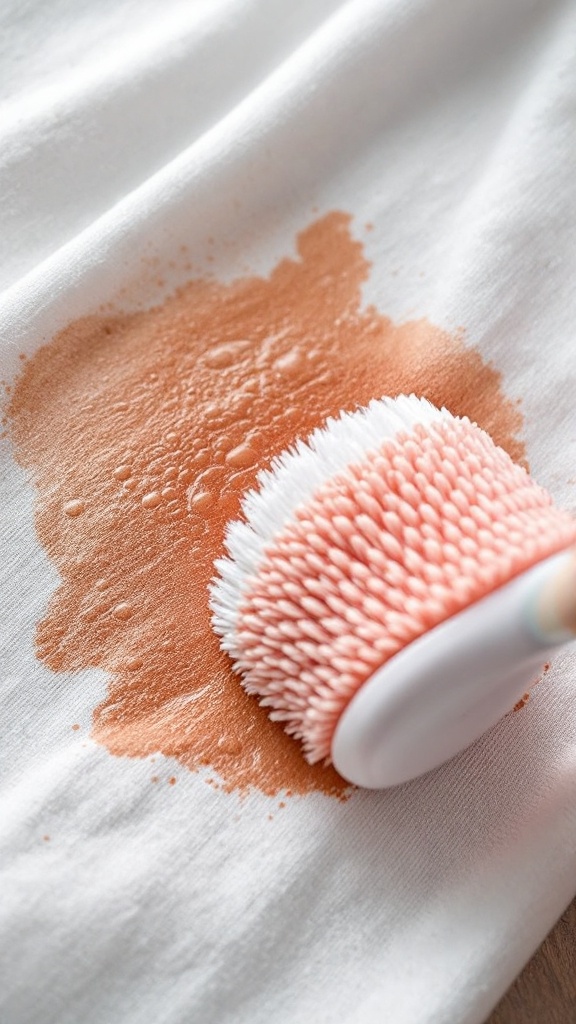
x: 129, y: 127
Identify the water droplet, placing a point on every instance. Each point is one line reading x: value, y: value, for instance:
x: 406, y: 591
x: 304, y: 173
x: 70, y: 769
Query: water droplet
x: 170, y: 493
x: 129, y: 485
x: 122, y: 472
x: 185, y: 476
x: 102, y: 584
x: 120, y: 407
x: 74, y: 508
x: 200, y: 501
x: 242, y: 455
x: 133, y: 664
x: 202, y: 456
x: 225, y: 355
x: 122, y: 611
x: 171, y: 473
x: 152, y: 499
x: 290, y: 363
x: 213, y: 412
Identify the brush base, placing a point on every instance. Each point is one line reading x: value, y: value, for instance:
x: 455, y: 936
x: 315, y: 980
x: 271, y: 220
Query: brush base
x: 443, y: 691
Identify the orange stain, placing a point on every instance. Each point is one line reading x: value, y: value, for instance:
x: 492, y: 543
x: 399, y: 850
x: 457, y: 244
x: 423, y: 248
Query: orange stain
x: 526, y: 696
x: 522, y: 702
x: 143, y: 430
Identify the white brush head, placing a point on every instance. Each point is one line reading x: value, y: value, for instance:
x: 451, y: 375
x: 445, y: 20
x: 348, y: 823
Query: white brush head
x: 368, y: 596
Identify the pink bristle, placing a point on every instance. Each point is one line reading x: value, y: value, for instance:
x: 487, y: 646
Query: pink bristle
x: 383, y: 551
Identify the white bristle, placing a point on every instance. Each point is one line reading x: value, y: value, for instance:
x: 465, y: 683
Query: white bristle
x: 292, y: 480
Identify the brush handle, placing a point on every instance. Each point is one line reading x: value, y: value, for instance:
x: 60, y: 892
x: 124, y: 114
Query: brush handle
x: 445, y: 689
x: 551, y: 611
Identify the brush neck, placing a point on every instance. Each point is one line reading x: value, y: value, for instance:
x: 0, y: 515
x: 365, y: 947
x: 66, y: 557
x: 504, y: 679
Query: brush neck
x: 551, y: 603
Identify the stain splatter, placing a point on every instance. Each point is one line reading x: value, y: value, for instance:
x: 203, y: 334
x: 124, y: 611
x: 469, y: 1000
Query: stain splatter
x: 522, y: 702
x: 142, y: 431
x: 526, y: 696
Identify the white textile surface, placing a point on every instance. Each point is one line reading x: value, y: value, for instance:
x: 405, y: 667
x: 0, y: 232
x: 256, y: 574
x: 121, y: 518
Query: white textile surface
x: 133, y: 126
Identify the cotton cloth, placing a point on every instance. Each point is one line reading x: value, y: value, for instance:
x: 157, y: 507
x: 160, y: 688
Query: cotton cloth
x: 130, y: 128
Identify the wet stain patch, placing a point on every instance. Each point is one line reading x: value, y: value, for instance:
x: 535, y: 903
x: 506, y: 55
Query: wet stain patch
x: 141, y: 432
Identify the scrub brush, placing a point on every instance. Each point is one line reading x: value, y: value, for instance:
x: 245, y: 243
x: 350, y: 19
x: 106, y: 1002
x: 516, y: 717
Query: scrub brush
x: 394, y: 585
